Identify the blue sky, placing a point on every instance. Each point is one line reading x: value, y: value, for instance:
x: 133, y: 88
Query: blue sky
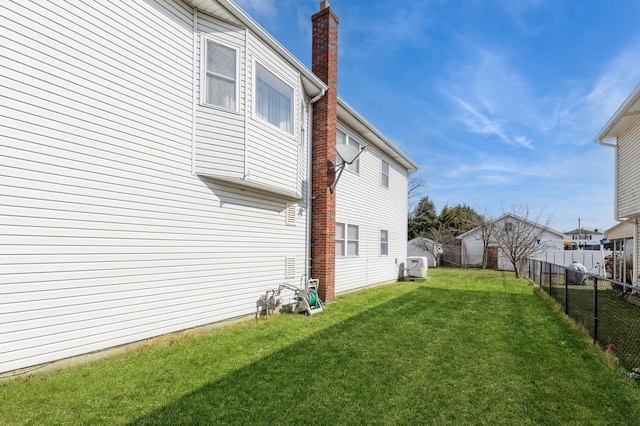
x: 497, y: 101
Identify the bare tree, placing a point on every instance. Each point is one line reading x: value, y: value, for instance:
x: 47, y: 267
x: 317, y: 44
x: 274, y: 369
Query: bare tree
x: 416, y: 184
x: 445, y: 243
x: 484, y: 226
x: 518, y: 236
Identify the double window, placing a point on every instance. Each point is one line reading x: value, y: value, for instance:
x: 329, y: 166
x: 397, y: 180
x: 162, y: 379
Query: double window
x: 273, y: 99
x: 347, y: 240
x: 345, y: 139
x: 221, y: 75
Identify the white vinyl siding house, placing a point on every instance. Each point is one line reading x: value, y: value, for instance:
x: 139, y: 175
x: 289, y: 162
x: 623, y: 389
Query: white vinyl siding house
x: 622, y: 132
x: 107, y: 235
x: 142, y: 191
x: 363, y: 202
x: 628, y: 177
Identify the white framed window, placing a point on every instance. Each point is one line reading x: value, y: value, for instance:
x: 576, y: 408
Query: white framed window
x: 273, y: 99
x: 384, y: 242
x: 347, y: 240
x: 384, y: 173
x: 220, y: 70
x: 344, y: 139
x: 353, y: 240
x: 341, y: 242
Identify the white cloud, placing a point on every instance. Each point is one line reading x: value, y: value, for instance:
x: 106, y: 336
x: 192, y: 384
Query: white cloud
x: 483, y: 124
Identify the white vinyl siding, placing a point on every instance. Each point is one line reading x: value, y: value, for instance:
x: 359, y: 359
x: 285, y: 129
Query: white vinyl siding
x: 106, y: 237
x: 274, y: 158
x: 363, y: 201
x: 259, y: 144
x: 220, y: 148
x: 628, y: 169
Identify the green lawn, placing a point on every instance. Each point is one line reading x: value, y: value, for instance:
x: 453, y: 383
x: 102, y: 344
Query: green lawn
x: 463, y: 347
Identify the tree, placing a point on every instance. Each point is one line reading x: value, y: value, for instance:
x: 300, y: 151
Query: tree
x: 518, y: 236
x: 422, y: 218
x: 459, y: 218
x: 415, y: 185
x: 484, y: 230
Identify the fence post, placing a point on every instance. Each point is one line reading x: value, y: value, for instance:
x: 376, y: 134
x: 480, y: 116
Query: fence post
x: 595, y: 310
x: 566, y: 293
x: 550, y: 278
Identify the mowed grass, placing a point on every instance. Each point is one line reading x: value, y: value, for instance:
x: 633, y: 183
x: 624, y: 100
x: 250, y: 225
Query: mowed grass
x: 463, y: 347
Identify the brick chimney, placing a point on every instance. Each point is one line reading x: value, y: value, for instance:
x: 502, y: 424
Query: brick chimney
x: 324, y: 58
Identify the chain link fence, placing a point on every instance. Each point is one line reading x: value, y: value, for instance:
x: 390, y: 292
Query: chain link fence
x: 608, y: 310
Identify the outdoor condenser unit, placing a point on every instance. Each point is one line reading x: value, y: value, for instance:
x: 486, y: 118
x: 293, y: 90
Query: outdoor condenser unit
x: 416, y: 268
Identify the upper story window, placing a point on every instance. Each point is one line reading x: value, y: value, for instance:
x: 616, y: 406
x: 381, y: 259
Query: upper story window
x: 384, y: 173
x: 345, y: 139
x: 221, y: 75
x: 273, y: 100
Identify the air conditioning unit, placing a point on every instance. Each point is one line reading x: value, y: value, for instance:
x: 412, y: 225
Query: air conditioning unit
x: 415, y: 268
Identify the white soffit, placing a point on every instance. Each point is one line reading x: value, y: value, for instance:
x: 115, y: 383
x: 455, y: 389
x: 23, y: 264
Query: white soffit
x: 628, y: 113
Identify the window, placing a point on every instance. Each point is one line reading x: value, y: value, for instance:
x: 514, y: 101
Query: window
x: 340, y: 240
x: 347, y: 243
x: 384, y: 242
x: 273, y: 100
x: 344, y: 139
x: 508, y: 227
x: 352, y: 240
x: 384, y: 173
x: 220, y: 75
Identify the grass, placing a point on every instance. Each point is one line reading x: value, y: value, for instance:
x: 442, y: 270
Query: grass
x: 476, y: 347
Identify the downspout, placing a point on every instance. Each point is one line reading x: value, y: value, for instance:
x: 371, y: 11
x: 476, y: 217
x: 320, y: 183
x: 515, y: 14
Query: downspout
x: 194, y: 93
x: 313, y: 100
x: 636, y: 256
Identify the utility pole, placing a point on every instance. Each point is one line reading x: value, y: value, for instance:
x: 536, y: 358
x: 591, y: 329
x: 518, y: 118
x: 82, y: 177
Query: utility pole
x: 579, y: 232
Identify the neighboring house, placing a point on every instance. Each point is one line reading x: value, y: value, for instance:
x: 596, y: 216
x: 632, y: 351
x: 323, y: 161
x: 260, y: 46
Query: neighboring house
x: 472, y: 245
x: 585, y: 238
x: 622, y: 132
x: 620, y: 262
x: 156, y: 160
x: 425, y: 247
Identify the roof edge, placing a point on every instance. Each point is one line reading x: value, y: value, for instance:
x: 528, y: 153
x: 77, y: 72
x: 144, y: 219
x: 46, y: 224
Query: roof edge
x: 617, y: 116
